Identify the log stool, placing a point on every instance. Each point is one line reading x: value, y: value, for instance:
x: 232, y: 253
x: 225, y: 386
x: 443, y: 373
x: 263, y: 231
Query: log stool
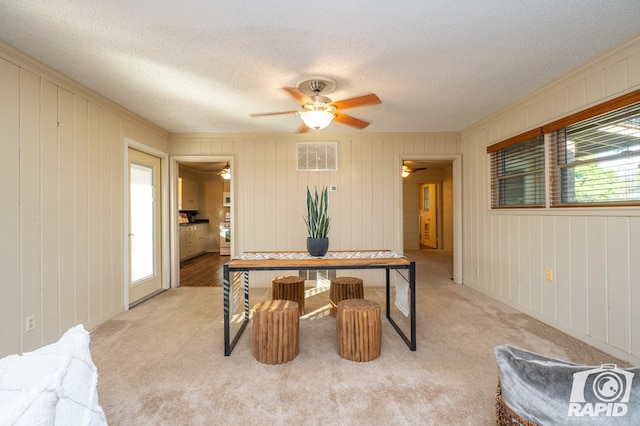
x: 275, y: 329
x: 342, y: 288
x: 358, y: 329
x: 289, y: 288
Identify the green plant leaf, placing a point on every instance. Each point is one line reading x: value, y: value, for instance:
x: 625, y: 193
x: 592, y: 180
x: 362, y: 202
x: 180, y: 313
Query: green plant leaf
x: 317, y: 219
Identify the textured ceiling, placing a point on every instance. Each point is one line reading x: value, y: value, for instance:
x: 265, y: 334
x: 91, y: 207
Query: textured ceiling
x: 204, y: 66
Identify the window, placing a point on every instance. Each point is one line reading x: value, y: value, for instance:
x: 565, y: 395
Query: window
x: 596, y: 161
x: 517, y: 173
x: 593, y: 160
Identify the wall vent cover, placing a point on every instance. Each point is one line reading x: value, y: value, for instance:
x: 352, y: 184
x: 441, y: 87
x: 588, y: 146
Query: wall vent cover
x: 322, y: 277
x: 317, y: 156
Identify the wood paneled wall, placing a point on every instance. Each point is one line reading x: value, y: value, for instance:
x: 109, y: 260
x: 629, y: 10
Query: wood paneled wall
x: 270, y: 194
x: 61, y: 186
x: 594, y: 253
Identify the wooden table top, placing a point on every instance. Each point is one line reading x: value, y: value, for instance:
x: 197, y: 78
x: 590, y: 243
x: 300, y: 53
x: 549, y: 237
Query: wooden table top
x: 301, y: 259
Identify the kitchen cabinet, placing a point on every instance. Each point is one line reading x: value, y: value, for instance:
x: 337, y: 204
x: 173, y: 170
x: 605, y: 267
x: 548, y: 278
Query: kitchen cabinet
x: 193, y: 240
x: 190, y: 195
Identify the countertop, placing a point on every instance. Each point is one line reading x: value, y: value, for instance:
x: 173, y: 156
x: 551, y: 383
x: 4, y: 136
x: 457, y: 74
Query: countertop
x: 197, y: 221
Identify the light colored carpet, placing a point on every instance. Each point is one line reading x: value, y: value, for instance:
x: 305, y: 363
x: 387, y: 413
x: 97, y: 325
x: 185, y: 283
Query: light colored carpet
x: 163, y: 362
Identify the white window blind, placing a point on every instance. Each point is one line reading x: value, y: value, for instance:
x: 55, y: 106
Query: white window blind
x: 597, y: 161
x: 517, y: 174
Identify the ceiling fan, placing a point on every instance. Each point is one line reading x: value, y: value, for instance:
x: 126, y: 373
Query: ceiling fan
x: 225, y: 172
x: 406, y: 170
x: 318, y: 110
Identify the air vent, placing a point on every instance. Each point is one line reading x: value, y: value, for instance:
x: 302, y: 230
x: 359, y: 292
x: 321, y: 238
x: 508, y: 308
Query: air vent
x: 321, y: 277
x: 317, y: 156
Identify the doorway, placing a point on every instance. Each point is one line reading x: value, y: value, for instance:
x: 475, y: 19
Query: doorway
x: 145, y: 226
x: 202, y: 205
x: 431, y: 193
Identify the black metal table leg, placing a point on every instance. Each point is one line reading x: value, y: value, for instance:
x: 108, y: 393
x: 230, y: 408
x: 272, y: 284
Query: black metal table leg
x: 228, y: 346
x: 412, y: 290
x: 412, y: 287
x: 225, y: 282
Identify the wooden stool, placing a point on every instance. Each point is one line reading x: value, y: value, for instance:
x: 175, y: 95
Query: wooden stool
x: 275, y: 329
x: 342, y: 288
x: 289, y: 288
x: 358, y: 329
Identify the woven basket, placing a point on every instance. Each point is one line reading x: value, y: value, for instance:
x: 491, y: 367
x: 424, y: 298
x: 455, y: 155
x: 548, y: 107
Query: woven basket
x: 505, y: 415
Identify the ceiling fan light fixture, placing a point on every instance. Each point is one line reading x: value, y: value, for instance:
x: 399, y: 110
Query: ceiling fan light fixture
x: 226, y: 172
x: 317, y: 119
x: 406, y: 170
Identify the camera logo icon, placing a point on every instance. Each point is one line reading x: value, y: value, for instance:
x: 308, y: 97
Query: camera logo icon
x: 608, y: 387
x: 600, y: 391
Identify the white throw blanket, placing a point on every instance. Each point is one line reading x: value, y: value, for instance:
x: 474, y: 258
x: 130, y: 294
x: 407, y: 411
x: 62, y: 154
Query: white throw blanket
x: 53, y: 385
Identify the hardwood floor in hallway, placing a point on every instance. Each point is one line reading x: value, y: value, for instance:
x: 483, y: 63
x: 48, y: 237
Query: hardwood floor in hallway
x: 203, y: 271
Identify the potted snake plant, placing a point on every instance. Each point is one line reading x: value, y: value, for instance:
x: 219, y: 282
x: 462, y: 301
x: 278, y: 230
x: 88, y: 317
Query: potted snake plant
x: 317, y: 221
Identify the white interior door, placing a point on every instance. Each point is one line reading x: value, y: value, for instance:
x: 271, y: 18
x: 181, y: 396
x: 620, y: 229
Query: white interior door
x: 428, y: 215
x: 145, y: 226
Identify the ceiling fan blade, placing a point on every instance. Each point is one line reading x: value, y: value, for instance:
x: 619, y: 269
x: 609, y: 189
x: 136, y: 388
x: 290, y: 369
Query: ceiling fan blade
x: 273, y: 113
x: 357, y: 102
x: 408, y: 169
x: 302, y: 128
x: 350, y: 121
x: 298, y: 95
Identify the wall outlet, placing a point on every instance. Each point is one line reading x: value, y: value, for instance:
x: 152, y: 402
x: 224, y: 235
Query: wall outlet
x: 477, y: 270
x: 548, y: 275
x: 333, y: 188
x: 30, y: 323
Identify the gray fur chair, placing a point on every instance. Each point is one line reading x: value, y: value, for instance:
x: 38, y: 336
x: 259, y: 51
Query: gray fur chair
x: 538, y: 390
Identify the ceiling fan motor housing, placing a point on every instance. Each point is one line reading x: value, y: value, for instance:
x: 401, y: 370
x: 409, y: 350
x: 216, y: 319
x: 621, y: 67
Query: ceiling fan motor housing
x: 316, y: 86
x: 313, y: 86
